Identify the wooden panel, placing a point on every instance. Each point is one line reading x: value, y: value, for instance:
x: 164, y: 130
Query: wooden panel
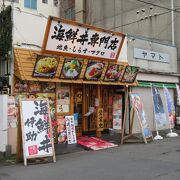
x: 83, y: 68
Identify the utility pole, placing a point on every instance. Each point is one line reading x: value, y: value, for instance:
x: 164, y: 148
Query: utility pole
x: 172, y: 22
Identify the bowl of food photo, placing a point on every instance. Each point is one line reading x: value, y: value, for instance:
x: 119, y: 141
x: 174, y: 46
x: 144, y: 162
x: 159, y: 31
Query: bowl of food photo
x: 45, y: 66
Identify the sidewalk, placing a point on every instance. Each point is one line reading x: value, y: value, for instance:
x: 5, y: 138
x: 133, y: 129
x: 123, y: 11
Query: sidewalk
x: 62, y: 149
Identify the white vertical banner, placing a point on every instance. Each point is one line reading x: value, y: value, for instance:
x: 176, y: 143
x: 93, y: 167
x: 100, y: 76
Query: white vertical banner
x: 170, y: 107
x: 159, y: 112
x: 70, y: 130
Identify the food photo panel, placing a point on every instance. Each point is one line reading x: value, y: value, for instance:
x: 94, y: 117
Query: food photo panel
x: 130, y: 74
x: 45, y: 66
x: 114, y: 72
x: 71, y: 69
x: 94, y: 70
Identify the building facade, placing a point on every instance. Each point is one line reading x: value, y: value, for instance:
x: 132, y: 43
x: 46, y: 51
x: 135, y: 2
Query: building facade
x: 150, y: 29
x: 151, y: 26
x: 29, y: 19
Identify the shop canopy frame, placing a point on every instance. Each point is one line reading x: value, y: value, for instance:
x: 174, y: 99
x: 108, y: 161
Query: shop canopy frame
x: 25, y: 59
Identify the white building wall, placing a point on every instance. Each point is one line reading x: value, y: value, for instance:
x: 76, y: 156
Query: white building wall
x: 28, y: 24
x: 28, y: 29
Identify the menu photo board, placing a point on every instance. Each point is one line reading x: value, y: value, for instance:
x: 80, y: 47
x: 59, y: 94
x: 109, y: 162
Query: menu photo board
x: 62, y: 99
x: 34, y: 86
x: 11, y: 112
x: 61, y: 130
x: 94, y: 70
x: 48, y: 87
x: 20, y: 85
x: 45, y: 66
x: 130, y: 74
x: 71, y: 69
x: 114, y: 72
x: 36, y: 129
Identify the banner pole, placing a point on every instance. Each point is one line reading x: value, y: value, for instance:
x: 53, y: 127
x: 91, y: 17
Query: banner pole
x: 157, y: 137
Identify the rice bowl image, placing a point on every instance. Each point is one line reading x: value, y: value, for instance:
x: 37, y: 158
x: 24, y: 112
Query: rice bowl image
x: 45, y: 66
x: 94, y: 70
x: 71, y: 69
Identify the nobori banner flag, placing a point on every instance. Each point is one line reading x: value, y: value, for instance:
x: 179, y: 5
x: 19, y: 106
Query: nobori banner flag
x: 159, y: 113
x: 170, y: 106
x: 178, y: 92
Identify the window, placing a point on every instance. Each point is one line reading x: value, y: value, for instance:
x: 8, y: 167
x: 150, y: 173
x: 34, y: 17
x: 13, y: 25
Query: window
x: 55, y: 3
x: 32, y: 4
x: 45, y: 1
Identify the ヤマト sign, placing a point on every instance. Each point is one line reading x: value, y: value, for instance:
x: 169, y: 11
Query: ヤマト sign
x: 71, y: 38
x: 36, y: 129
x: 151, y: 55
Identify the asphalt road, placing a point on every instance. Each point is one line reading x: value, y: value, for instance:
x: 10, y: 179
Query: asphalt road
x: 156, y: 160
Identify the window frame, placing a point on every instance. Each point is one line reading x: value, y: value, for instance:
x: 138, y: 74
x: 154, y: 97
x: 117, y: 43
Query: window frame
x: 31, y: 4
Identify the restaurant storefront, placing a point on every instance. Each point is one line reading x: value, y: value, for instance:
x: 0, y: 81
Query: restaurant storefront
x: 71, y: 97
x: 79, y: 78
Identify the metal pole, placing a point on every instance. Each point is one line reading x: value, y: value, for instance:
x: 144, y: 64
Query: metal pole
x: 172, y: 22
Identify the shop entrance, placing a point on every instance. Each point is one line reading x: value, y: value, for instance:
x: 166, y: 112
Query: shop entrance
x: 113, y: 106
x: 84, y: 99
x: 111, y: 100
x: 78, y: 108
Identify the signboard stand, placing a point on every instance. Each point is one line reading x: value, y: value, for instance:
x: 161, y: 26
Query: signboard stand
x: 130, y: 135
x: 36, y: 129
x: 131, y: 128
